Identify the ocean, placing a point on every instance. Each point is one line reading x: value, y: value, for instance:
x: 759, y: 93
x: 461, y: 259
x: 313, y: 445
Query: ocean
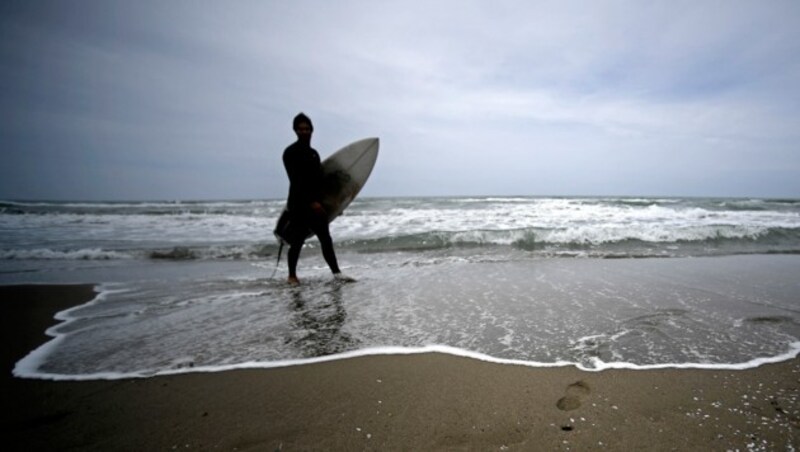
x: 596, y: 282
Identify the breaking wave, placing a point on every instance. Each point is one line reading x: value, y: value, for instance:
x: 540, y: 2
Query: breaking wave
x: 242, y: 230
x: 583, y: 242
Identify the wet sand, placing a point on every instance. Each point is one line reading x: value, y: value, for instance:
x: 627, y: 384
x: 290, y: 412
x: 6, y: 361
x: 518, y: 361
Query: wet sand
x: 417, y: 402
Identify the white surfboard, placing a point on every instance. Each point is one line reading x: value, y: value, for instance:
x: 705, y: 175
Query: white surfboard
x: 344, y: 173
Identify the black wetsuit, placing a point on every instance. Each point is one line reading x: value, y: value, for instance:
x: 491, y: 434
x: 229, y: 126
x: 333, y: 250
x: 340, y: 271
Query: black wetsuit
x: 305, y: 187
x: 305, y: 176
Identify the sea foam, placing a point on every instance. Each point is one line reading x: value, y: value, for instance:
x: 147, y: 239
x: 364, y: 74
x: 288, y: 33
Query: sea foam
x: 723, y: 313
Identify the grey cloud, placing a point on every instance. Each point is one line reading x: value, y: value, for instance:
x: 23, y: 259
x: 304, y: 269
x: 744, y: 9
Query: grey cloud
x: 194, y: 99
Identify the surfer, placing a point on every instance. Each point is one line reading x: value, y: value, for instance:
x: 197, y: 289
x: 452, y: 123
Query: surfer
x: 305, y: 192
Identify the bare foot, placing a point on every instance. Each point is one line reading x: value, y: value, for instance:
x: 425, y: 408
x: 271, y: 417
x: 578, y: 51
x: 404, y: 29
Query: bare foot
x: 293, y: 281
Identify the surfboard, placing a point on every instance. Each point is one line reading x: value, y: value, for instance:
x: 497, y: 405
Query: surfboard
x: 344, y: 173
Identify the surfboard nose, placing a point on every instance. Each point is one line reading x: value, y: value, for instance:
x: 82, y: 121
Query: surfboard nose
x: 368, y: 142
x: 375, y: 143
x: 366, y: 146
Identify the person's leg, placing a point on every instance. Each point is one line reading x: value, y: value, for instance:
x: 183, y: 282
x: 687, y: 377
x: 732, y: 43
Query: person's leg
x: 320, y: 228
x: 293, y: 257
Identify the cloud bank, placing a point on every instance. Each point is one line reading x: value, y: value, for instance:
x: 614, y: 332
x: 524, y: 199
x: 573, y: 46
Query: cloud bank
x: 194, y: 100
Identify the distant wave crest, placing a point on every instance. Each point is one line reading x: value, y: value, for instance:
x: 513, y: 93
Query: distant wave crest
x: 48, y: 254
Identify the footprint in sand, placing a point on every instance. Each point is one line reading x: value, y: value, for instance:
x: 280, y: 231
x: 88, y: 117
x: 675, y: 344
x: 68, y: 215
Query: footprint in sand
x: 779, y: 409
x: 573, y: 396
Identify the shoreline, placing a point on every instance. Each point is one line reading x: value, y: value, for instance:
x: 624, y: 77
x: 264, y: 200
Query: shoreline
x: 793, y: 354
x: 389, y: 402
x: 27, y: 367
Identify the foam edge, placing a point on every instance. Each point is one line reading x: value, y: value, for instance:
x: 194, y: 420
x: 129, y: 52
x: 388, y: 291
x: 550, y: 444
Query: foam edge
x: 26, y: 368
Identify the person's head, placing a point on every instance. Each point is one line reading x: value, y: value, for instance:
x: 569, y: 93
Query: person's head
x: 303, y: 127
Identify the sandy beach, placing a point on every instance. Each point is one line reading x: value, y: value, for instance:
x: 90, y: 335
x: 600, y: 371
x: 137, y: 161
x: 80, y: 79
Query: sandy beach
x: 417, y: 402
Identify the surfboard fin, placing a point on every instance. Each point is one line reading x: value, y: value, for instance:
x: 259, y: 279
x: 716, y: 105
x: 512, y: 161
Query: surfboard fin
x: 278, y: 263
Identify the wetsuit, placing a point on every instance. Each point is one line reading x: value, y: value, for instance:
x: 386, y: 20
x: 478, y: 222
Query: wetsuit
x: 304, y: 169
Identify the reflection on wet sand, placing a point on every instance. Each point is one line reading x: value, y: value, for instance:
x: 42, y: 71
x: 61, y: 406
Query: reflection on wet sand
x: 318, y: 323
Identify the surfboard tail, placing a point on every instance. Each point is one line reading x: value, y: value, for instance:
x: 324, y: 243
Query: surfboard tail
x: 287, y: 232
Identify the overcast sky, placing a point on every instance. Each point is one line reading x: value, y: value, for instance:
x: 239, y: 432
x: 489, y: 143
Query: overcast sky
x: 105, y: 100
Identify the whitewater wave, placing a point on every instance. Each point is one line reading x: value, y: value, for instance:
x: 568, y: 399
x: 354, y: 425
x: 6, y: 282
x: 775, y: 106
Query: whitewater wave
x: 244, y: 252
x: 80, y: 254
x: 583, y: 241
x: 586, y: 237
x: 242, y: 230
